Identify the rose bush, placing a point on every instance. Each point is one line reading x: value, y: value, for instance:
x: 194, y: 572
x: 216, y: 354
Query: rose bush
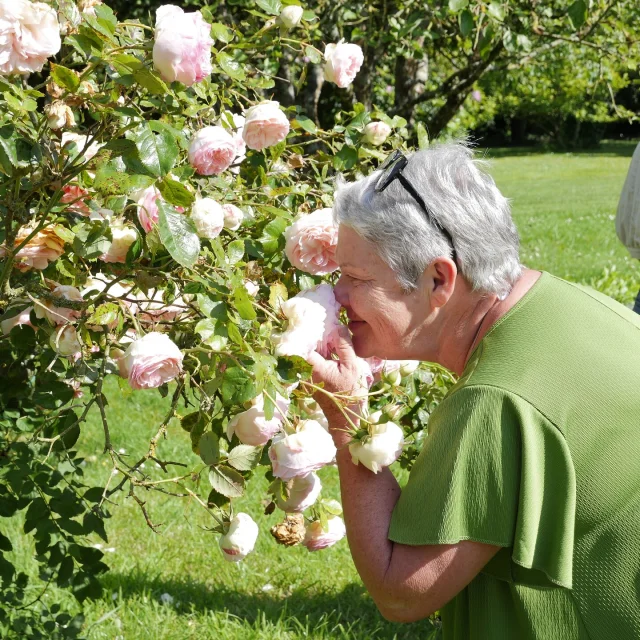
x: 136, y: 244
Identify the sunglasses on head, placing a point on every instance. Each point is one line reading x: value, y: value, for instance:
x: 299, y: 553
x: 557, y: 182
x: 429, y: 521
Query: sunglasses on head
x: 391, y: 169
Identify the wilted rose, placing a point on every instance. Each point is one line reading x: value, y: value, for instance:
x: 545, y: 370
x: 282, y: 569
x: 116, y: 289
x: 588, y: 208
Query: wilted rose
x: 233, y: 216
x: 123, y: 236
x: 252, y: 427
x: 208, y: 217
x: 20, y: 319
x: 343, y: 61
x: 59, y: 115
x: 44, y: 247
x: 212, y: 151
x: 240, y: 538
x: 302, y: 452
x: 265, y: 125
x: 291, y: 16
x: 60, y: 315
x: 29, y: 34
x: 64, y: 341
x: 376, y: 133
x: 379, y: 449
x: 152, y: 360
x: 311, y: 243
x: 303, y: 492
x: 182, y: 47
x: 317, y: 538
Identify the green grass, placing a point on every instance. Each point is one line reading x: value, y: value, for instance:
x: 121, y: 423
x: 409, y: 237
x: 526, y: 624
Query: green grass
x: 563, y: 205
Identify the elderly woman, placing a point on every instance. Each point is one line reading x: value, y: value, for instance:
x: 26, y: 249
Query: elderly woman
x: 521, y: 517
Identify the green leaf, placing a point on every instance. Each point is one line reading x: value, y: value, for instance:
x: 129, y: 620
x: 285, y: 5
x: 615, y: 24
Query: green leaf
x: 346, y: 158
x: 175, y: 193
x: 226, y: 481
x: 235, y: 251
x: 234, y: 334
x: 221, y: 33
x: 277, y: 295
x: 110, y: 180
x: 270, y: 6
x: 231, y: 66
x: 457, y: 5
x: 496, y: 10
x: 190, y: 420
x: 244, y: 457
x: 209, y: 448
x: 577, y: 13
x: 465, y: 22
x: 242, y: 302
x: 9, y: 152
x: 156, y: 152
x: 237, y: 386
x: 178, y: 235
x: 423, y: 136
x: 306, y: 123
x: 151, y: 81
x: 64, y: 77
x: 314, y: 55
x: 272, y: 235
x: 105, y: 314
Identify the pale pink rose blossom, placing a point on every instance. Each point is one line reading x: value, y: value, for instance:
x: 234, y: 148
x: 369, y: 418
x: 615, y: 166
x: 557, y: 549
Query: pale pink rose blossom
x: 233, y: 216
x: 316, y: 538
x: 343, y: 61
x: 236, y: 133
x: 212, y: 151
x: 240, y: 538
x: 147, y: 201
x: 29, y: 34
x: 379, y: 449
x: 208, y: 217
x: 44, y: 247
x: 75, y: 196
x: 151, y: 361
x: 21, y: 319
x: 123, y: 236
x: 265, y: 125
x: 376, y: 133
x: 64, y: 341
x: 252, y: 427
x: 303, y: 492
x: 182, y: 47
x: 300, y: 453
x: 60, y: 315
x: 311, y: 243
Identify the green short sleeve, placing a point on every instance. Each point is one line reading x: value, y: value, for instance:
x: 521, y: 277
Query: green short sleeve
x: 494, y: 470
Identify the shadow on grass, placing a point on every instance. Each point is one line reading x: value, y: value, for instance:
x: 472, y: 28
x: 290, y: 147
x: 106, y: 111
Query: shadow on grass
x: 607, y: 148
x: 350, y: 613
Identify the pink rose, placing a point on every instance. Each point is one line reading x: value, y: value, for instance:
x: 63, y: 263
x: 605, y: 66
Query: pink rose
x: 151, y: 361
x: 29, y: 34
x: 23, y: 318
x: 303, y: 492
x: 265, y: 125
x: 75, y: 196
x: 44, y: 247
x: 300, y: 453
x: 311, y: 243
x: 60, y: 315
x: 376, y: 133
x: 252, y: 426
x: 317, y: 538
x: 182, y: 47
x: 236, y: 133
x: 147, y: 200
x: 233, y: 216
x: 343, y: 61
x: 212, y: 151
x: 123, y: 236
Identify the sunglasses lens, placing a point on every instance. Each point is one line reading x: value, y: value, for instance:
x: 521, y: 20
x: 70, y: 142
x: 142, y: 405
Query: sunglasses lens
x: 395, y: 164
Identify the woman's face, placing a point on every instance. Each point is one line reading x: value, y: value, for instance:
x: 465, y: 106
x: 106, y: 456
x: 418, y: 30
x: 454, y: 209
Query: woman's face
x: 384, y: 320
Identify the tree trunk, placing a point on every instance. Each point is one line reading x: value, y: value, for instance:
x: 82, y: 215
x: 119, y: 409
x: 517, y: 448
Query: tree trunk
x: 284, y: 90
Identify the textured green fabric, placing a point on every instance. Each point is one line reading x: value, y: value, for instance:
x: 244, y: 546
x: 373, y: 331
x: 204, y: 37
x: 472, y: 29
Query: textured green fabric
x: 537, y: 450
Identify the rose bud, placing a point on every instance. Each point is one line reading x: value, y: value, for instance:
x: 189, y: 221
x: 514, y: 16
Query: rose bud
x: 212, y: 150
x: 265, y: 125
x: 379, y: 449
x: 151, y: 361
x: 343, y: 61
x: 317, y: 538
x: 291, y: 16
x: 240, y: 538
x: 29, y: 34
x: 233, y: 216
x: 311, y: 243
x: 44, y: 247
x: 303, y: 492
x: 147, y: 201
x: 376, y: 133
x: 21, y: 319
x: 123, y: 236
x: 182, y: 47
x: 408, y: 367
x: 64, y: 341
x: 392, y: 377
x: 208, y: 217
x: 59, y: 115
x: 60, y: 315
x: 300, y: 453
x: 252, y: 426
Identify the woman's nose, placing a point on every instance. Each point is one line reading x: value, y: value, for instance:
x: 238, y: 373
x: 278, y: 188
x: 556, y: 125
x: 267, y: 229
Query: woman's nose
x: 341, y: 293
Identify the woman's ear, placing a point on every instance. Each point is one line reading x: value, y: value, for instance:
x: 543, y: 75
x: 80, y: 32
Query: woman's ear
x: 440, y: 279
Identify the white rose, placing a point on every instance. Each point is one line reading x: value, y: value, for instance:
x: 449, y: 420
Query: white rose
x: 291, y: 16
x: 252, y: 426
x: 300, y: 453
x: 343, y: 61
x: 251, y: 287
x: 64, y: 341
x: 123, y: 236
x: 303, y: 492
x: 376, y: 133
x: 233, y: 216
x: 240, y: 538
x: 208, y: 217
x: 379, y: 449
x: 59, y: 115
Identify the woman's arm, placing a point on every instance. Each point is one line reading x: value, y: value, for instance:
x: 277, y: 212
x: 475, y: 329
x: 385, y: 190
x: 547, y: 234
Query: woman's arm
x: 407, y: 583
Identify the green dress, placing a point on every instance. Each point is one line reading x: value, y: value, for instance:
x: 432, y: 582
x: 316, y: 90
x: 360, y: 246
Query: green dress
x: 537, y: 450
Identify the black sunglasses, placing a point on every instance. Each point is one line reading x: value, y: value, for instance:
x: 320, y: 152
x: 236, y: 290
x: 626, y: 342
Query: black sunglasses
x: 391, y: 169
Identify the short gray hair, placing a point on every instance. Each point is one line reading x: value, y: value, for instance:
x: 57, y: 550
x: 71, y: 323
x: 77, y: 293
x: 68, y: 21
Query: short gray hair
x: 463, y: 198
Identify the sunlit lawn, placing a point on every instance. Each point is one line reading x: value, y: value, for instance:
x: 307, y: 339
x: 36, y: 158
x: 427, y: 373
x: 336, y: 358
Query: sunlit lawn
x: 564, y: 207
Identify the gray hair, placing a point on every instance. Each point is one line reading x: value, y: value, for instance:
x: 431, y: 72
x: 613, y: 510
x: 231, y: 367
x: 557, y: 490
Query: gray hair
x: 464, y: 200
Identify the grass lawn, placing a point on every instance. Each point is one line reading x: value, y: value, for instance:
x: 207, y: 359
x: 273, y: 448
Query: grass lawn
x: 564, y: 206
